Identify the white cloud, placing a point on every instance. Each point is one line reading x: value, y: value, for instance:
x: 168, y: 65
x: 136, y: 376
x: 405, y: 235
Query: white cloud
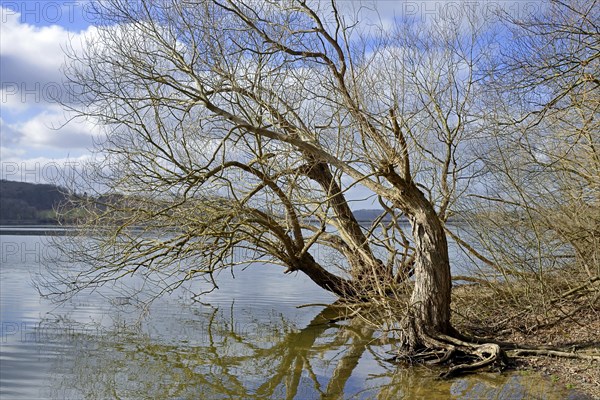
x: 31, y: 59
x: 43, y: 169
x: 45, y: 130
x: 42, y: 135
x: 9, y: 154
x: 41, y: 45
x: 10, y: 134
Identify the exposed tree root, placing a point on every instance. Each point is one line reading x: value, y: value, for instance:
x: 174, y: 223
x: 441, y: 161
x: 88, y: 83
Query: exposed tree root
x: 515, y: 350
x: 463, y: 355
x: 460, y: 356
x: 485, y: 355
x: 553, y: 353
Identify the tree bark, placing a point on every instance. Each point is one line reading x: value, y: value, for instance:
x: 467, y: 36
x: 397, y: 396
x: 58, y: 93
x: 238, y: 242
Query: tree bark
x: 430, y: 301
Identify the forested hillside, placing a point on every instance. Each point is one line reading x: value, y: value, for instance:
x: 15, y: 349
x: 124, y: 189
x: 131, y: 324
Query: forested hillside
x: 28, y: 203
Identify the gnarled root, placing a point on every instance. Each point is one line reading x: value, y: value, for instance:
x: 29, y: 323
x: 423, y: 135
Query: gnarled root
x: 484, y: 355
x: 460, y: 356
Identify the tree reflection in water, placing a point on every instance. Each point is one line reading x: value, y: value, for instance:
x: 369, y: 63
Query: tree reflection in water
x: 330, y: 358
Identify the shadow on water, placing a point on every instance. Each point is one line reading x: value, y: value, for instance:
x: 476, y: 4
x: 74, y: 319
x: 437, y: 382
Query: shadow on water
x: 329, y: 358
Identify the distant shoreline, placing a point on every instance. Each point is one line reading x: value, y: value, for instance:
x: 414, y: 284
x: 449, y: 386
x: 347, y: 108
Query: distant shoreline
x: 36, y: 230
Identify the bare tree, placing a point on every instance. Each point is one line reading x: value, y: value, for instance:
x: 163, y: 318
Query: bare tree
x: 236, y: 133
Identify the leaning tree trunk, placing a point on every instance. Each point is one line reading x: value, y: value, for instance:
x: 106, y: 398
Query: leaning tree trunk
x: 430, y: 301
x: 428, y: 321
x: 325, y: 279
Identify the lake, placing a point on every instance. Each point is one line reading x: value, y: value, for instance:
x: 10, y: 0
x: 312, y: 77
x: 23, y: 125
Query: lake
x: 248, y: 340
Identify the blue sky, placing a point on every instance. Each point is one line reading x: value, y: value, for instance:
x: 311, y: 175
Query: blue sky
x: 34, y: 144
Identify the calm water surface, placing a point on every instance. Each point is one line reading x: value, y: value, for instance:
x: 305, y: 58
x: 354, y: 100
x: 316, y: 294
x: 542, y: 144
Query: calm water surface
x: 248, y: 340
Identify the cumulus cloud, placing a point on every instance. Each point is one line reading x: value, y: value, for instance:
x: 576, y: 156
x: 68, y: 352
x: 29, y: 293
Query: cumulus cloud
x: 47, y: 130
x: 33, y: 122
x: 31, y: 58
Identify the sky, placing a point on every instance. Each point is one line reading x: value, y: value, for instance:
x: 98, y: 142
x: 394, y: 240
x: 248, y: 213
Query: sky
x: 35, y: 143
x: 35, y: 140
